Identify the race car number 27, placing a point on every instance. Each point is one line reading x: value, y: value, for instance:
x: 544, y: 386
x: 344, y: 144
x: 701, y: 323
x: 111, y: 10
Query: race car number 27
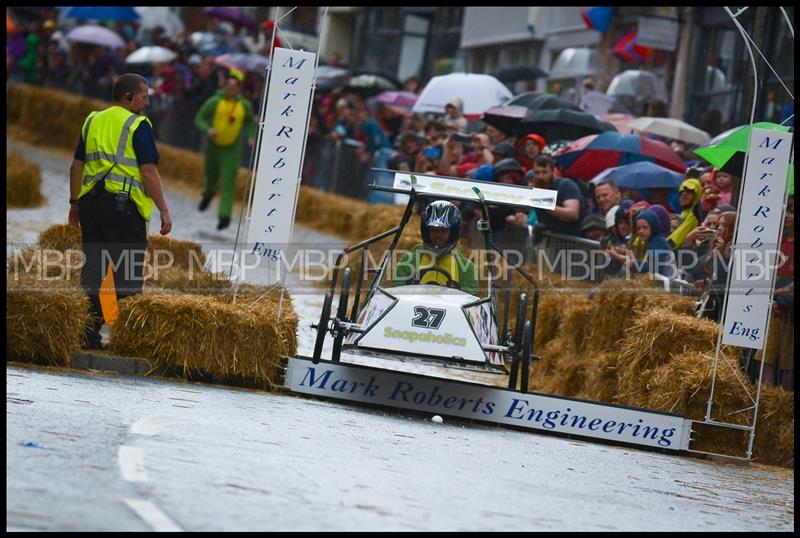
x: 429, y: 318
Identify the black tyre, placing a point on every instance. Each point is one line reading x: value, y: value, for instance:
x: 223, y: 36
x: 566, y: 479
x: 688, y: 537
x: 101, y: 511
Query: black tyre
x: 322, y: 328
x: 341, y: 315
x: 527, y: 336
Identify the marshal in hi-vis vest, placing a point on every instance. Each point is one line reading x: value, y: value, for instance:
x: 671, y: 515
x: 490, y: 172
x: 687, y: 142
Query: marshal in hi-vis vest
x: 108, y: 139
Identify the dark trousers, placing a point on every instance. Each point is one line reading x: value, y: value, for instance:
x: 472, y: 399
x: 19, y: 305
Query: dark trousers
x: 110, y: 237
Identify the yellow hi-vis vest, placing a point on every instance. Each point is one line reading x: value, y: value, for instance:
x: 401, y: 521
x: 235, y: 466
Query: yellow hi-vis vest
x: 108, y: 139
x: 446, y: 262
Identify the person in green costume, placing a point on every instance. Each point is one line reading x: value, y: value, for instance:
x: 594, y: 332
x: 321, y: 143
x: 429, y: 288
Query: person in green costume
x: 222, y: 118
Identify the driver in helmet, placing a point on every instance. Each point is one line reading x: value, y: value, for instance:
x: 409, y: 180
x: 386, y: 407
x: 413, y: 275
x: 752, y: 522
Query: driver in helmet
x: 438, y: 260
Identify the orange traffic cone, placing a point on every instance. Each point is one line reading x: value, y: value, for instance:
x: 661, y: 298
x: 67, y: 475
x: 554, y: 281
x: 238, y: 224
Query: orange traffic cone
x: 108, y: 298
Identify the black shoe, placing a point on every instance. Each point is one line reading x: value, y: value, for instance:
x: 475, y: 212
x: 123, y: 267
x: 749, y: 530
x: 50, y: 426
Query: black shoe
x: 224, y: 222
x: 93, y: 342
x: 204, y: 203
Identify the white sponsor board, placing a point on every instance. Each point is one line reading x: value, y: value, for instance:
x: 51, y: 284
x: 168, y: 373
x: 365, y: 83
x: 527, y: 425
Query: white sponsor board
x: 284, y: 124
x: 755, y: 253
x: 657, y: 33
x: 462, y: 189
x: 480, y: 402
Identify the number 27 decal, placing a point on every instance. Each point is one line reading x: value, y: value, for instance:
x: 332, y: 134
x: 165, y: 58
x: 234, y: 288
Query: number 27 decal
x: 430, y: 318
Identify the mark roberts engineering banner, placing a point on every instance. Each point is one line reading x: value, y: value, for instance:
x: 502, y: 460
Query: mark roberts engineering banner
x: 284, y: 125
x: 755, y: 253
x: 479, y: 402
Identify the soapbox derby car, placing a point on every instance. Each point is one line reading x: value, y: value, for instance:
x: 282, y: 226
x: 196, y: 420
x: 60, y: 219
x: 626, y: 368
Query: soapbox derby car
x: 429, y: 323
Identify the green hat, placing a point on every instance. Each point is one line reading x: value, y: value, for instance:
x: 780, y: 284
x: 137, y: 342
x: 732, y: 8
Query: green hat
x: 235, y: 73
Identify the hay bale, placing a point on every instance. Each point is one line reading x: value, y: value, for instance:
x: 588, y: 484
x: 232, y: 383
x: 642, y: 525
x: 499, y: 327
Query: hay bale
x: 601, y: 377
x: 618, y: 302
x: 50, y: 117
x: 45, y: 319
x: 174, y: 279
x: 774, y: 440
x: 186, y: 255
x: 548, y: 319
x: 204, y: 335
x: 23, y: 182
x: 60, y: 237
x: 659, y: 334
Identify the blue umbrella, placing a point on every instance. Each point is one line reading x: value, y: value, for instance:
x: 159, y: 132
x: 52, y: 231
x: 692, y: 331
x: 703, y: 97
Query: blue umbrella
x: 641, y: 175
x: 102, y: 13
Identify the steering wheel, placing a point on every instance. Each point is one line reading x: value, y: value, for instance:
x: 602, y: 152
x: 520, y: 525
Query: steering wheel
x: 416, y: 278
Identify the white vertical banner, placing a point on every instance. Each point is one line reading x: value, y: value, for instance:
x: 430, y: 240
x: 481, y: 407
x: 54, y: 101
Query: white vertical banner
x: 756, y: 245
x: 281, y: 152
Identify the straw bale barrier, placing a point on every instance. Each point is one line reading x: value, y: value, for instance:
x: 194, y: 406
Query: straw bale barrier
x: 207, y: 336
x: 657, y: 357
x: 23, y: 182
x: 47, y: 116
x: 45, y: 319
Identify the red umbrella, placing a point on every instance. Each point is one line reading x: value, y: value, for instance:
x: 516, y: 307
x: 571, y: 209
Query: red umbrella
x: 588, y: 156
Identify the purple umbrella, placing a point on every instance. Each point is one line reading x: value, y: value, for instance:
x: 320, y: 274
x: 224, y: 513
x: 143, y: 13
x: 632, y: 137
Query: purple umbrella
x: 231, y: 14
x: 95, y: 35
x: 398, y: 98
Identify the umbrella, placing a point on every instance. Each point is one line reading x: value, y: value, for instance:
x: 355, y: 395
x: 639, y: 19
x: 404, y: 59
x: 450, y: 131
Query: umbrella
x: 370, y: 83
x: 726, y: 151
x: 232, y: 14
x: 209, y: 44
x: 506, y: 118
x: 150, y: 55
x: 244, y: 61
x: 670, y: 128
x: 96, y: 35
x: 329, y: 77
x: 538, y: 101
x: 400, y: 99
x: 479, y: 93
x: 640, y: 84
x: 519, y: 72
x: 575, y: 62
x: 586, y: 157
x: 642, y: 175
x: 162, y: 16
x: 102, y: 13
x: 562, y: 124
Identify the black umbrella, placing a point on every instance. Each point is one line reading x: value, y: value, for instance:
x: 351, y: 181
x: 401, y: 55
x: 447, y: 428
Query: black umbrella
x: 506, y: 118
x: 538, y: 101
x: 372, y: 83
x: 330, y: 77
x: 519, y: 72
x: 562, y: 124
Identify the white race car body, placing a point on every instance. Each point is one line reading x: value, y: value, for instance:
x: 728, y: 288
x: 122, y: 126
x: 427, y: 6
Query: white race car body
x: 429, y: 321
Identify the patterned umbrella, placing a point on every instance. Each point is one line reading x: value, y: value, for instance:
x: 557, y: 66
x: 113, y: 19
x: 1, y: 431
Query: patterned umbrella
x: 588, y: 156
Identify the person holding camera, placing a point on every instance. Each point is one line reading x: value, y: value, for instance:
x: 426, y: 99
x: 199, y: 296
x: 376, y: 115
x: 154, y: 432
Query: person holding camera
x: 114, y: 184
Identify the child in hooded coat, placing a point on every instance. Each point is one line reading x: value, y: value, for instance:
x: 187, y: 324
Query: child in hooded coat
x: 658, y: 257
